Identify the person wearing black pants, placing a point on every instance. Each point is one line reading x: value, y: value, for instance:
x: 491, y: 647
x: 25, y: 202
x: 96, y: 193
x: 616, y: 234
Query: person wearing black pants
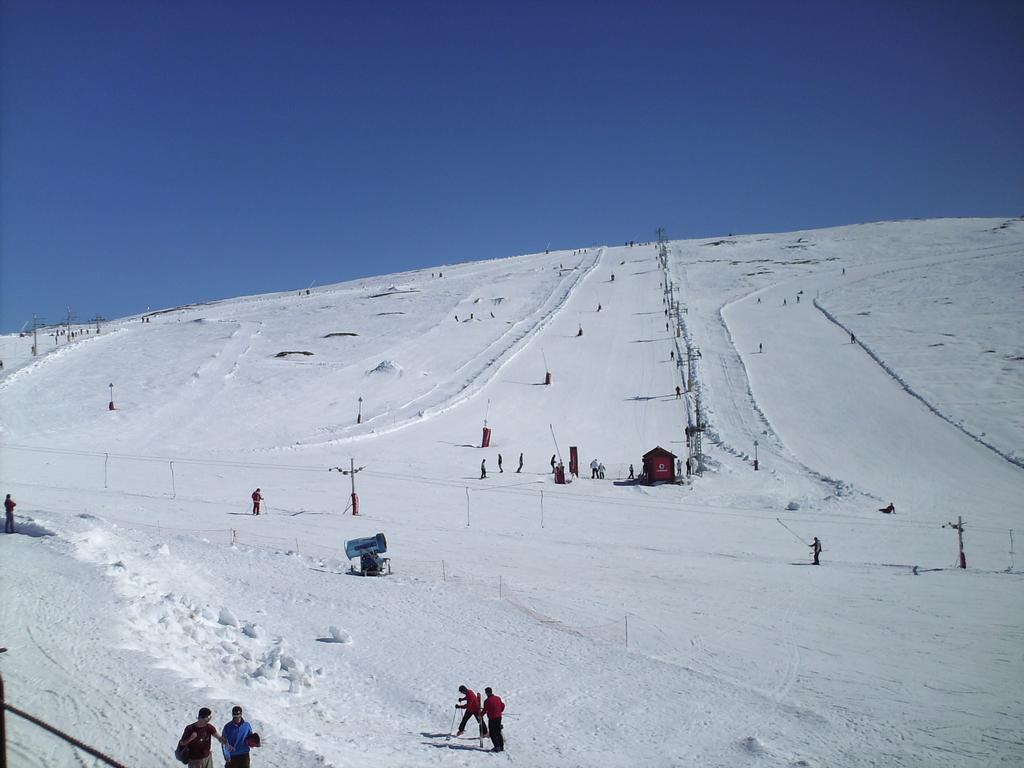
x: 493, y: 707
x: 472, y: 707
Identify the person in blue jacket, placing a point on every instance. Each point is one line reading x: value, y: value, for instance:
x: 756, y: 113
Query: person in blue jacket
x: 234, y: 735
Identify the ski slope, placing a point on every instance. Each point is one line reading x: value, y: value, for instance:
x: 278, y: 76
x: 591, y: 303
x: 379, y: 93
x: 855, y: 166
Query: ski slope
x: 622, y: 624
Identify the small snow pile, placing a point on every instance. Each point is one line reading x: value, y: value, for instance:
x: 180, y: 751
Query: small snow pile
x: 161, y: 549
x: 227, y: 618
x: 793, y: 506
x: 255, y: 631
x: 340, y: 636
x: 386, y: 366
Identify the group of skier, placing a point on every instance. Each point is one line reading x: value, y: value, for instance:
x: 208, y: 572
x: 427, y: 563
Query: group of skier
x: 501, y: 468
x: 491, y: 708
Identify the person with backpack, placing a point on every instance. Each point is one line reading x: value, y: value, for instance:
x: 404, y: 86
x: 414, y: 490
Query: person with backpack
x: 236, y: 734
x: 493, y: 707
x: 472, y: 707
x: 257, y: 497
x: 196, y: 740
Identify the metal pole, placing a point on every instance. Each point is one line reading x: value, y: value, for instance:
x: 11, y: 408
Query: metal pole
x: 960, y: 537
x: 542, y: 520
x: 467, y: 507
x: 3, y: 727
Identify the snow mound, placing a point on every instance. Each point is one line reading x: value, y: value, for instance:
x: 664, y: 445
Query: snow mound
x: 386, y: 366
x: 337, y: 635
x: 227, y: 618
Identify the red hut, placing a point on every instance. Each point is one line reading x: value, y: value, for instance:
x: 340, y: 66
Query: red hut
x: 659, y: 466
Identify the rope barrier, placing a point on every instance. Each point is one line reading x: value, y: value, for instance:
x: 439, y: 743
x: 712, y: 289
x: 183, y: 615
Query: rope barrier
x: 59, y: 733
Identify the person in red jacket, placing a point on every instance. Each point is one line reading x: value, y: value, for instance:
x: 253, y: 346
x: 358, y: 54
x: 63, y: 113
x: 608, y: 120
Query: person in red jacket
x: 493, y: 707
x: 472, y: 707
x: 9, y: 506
x: 256, y: 499
x: 196, y: 738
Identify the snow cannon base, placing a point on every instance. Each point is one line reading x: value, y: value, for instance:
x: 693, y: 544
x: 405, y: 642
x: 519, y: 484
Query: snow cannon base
x: 368, y: 551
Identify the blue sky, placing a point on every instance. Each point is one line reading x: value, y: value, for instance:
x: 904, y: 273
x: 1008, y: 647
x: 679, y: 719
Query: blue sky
x: 156, y: 153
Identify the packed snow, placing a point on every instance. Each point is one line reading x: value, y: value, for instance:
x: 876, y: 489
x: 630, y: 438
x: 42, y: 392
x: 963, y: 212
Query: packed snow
x: 622, y: 624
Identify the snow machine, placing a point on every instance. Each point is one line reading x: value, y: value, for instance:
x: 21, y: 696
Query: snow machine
x: 368, y: 551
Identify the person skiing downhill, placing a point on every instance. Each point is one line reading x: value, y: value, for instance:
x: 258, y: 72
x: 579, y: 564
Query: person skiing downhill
x: 890, y: 510
x: 472, y: 707
x: 816, y: 550
x: 257, y: 497
x: 520, y: 469
x: 499, y: 464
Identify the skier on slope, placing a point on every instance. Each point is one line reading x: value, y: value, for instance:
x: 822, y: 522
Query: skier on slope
x: 499, y: 464
x: 257, y: 497
x: 593, y: 469
x: 483, y: 468
x: 493, y: 707
x: 472, y: 706
x: 815, y: 550
x: 520, y: 463
x: 890, y: 510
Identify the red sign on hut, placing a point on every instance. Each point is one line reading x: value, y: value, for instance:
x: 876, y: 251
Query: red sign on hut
x: 659, y: 466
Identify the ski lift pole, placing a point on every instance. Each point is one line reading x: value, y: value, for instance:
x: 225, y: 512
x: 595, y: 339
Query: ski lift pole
x: 557, y: 451
x: 958, y: 526
x: 351, y: 471
x: 795, y: 534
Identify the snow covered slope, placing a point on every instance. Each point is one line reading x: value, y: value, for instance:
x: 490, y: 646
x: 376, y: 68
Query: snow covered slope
x: 623, y: 625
